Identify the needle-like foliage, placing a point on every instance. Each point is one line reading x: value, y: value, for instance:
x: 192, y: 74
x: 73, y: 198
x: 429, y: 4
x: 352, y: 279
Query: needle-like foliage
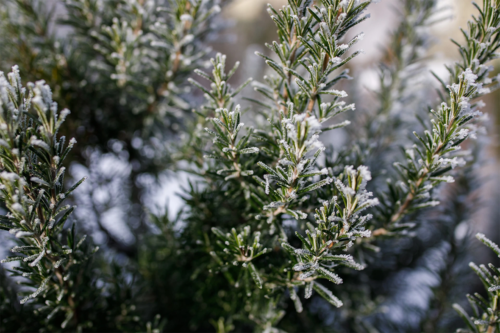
x: 485, y: 316
x: 32, y: 187
x: 286, y: 223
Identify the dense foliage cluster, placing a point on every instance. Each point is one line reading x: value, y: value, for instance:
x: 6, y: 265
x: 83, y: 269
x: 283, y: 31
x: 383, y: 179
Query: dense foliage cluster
x: 282, y: 228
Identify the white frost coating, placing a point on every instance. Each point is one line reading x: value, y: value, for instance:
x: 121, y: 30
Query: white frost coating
x: 469, y: 76
x: 9, y: 176
x: 40, y: 143
x: 18, y: 208
x: 38, y: 259
x: 21, y: 234
x: 489, y: 243
x: 186, y: 18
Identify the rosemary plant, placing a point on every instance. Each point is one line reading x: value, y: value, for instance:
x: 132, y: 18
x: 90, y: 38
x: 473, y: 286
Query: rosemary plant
x: 280, y: 229
x: 121, y: 66
x: 33, y: 192
x: 437, y: 150
x: 485, y: 317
